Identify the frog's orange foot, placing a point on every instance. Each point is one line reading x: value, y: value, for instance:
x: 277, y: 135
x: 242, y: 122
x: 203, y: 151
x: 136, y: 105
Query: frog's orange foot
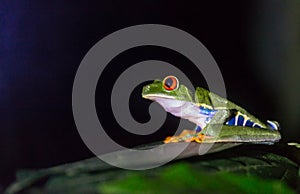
x: 185, y: 137
x: 171, y: 139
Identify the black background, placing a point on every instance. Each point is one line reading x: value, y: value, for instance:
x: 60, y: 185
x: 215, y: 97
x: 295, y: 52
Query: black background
x: 43, y: 42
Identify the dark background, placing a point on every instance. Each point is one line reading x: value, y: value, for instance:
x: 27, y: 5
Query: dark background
x: 42, y: 43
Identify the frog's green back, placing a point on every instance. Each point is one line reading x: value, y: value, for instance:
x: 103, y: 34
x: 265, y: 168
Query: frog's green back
x: 208, y: 99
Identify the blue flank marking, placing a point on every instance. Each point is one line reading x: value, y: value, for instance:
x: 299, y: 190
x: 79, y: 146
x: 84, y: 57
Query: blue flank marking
x: 240, y: 120
x: 231, y: 122
x: 256, y: 126
x: 249, y: 123
x: 207, y: 111
x: 272, y: 125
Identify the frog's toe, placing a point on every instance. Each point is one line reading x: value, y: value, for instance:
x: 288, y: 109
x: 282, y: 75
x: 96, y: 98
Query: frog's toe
x: 199, y: 138
x: 168, y: 139
x: 190, y: 139
x: 171, y: 139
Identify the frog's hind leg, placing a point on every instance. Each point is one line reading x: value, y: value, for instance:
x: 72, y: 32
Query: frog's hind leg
x: 185, y: 136
x: 196, y: 130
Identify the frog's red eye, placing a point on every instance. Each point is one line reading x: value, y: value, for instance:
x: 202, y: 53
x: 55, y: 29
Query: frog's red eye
x: 170, y: 83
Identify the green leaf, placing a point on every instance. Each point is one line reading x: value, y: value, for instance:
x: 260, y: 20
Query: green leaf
x: 238, y: 169
x: 182, y: 178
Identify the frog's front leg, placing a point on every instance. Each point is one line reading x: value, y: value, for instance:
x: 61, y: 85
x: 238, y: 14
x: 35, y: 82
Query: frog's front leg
x: 197, y: 135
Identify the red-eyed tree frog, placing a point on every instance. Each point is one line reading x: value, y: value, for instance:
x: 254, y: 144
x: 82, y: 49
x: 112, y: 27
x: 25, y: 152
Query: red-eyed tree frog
x: 208, y: 111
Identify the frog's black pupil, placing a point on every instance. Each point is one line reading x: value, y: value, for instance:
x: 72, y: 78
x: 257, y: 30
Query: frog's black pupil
x: 169, y: 82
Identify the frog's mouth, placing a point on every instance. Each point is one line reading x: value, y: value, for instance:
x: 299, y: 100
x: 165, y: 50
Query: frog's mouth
x: 157, y: 96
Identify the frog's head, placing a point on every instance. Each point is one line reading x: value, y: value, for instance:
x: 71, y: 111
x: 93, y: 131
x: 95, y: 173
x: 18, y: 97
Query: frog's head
x: 168, y: 93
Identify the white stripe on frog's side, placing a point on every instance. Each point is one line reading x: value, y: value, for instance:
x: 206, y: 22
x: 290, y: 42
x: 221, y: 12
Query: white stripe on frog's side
x: 236, y: 120
x: 245, y: 121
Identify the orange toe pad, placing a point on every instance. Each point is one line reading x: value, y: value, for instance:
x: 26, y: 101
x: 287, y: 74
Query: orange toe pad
x: 185, y: 137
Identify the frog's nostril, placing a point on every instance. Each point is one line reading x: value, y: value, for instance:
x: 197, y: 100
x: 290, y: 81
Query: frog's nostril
x: 147, y: 88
